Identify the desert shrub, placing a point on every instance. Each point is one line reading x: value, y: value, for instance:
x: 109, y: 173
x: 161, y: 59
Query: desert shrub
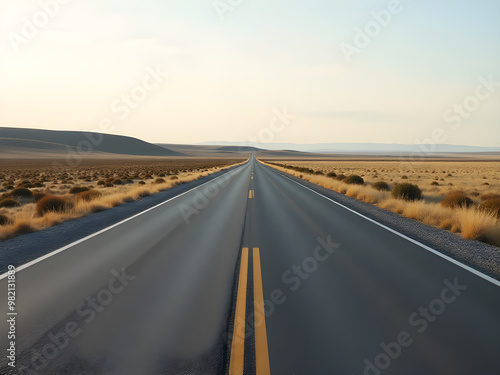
x: 354, y: 180
x: 331, y: 174
x: 117, y: 182
x: 381, y: 186
x: 407, y: 192
x: 89, y: 195
x: 161, y: 174
x: 4, y: 220
x: 456, y: 199
x: 141, y: 183
x: 434, y: 183
x: 21, y: 193
x: 174, y: 178
x: 108, y: 184
x: 489, y: 196
x: 38, y: 195
x: 404, y: 177
x: 340, y: 177
x: 159, y: 181
x: 78, y: 189
x: 491, y: 205
x: 8, y: 202
x: 319, y: 173
x: 50, y: 203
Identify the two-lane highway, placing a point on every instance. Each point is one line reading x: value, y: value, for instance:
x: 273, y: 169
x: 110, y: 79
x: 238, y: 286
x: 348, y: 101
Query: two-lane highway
x: 252, y: 273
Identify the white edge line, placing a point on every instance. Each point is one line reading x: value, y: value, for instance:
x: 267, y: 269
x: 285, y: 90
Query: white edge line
x: 438, y: 253
x: 66, y: 247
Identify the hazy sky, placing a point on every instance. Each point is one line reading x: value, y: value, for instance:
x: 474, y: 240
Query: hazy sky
x: 233, y: 67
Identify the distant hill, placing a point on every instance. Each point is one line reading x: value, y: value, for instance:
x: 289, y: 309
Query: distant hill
x: 364, y: 148
x: 114, y: 144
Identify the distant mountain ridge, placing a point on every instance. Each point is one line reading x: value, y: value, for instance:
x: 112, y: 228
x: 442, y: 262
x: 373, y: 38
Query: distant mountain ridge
x: 362, y: 147
x: 114, y: 144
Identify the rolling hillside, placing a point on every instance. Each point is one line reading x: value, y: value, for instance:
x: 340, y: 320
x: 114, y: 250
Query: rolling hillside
x: 47, y: 140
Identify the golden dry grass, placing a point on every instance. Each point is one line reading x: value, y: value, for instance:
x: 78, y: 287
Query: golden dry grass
x: 475, y: 179
x: 24, y: 218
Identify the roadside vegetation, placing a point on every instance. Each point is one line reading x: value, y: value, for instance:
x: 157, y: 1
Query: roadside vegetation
x: 34, y: 198
x: 462, y: 197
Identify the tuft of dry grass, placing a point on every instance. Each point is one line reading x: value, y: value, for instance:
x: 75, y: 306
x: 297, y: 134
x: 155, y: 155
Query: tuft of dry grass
x: 475, y: 223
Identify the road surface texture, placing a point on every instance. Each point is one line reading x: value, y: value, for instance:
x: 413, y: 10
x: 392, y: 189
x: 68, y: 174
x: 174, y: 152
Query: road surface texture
x: 250, y: 273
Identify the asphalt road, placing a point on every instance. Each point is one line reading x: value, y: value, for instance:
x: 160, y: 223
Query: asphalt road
x: 251, y: 273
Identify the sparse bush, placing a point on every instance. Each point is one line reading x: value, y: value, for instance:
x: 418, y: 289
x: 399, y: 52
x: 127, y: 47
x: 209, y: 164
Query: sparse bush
x: 50, y: 203
x: 89, y: 195
x: 491, y: 205
x: 78, y: 189
x: 21, y: 193
x: 174, y: 178
x: 4, y: 220
x: 489, y: 196
x: 404, y: 177
x: 117, y: 182
x: 340, y: 177
x: 381, y: 186
x: 456, y: 199
x: 38, y: 195
x: 407, y: 192
x: 354, y: 180
x: 319, y: 173
x: 434, y: 183
x: 159, y: 181
x: 141, y: 183
x: 331, y: 174
x: 8, y: 203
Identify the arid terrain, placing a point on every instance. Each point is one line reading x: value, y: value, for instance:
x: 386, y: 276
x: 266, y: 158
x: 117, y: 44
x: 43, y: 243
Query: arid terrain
x: 36, y: 194
x: 462, y: 196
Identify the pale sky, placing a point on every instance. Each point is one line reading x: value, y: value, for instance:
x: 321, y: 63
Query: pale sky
x: 231, y: 67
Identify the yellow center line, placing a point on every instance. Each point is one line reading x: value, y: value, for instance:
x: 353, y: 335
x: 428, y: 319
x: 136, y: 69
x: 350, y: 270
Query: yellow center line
x: 251, y: 194
x: 261, y: 349
x: 236, y: 364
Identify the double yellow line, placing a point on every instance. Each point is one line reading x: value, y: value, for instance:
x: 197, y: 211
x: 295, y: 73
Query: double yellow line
x: 236, y: 364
